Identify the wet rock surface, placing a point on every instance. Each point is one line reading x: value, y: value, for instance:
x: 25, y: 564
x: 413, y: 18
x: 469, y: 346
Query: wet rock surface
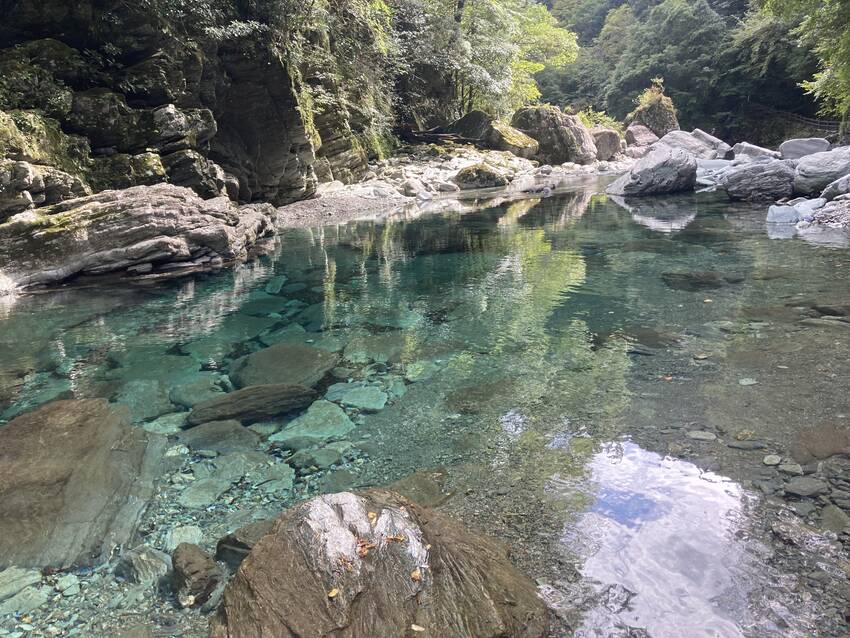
x: 663, y: 170
x: 378, y: 565
x: 75, y: 507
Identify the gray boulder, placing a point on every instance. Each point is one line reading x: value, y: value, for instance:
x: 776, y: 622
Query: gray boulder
x: 751, y: 151
x: 140, y: 229
x: 839, y: 187
x: 480, y: 175
x: 688, y: 143
x: 24, y: 185
x: 375, y: 564
x: 640, y: 135
x: 562, y: 138
x: 608, y: 142
x: 797, y: 148
x: 663, y: 170
x: 722, y: 149
x: 759, y: 181
x: 816, y: 172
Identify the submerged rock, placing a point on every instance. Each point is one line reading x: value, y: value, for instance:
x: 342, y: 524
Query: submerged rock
x: 324, y: 421
x: 220, y: 436
x: 74, y: 480
x: 663, y: 170
x: 405, y: 569
x: 114, y: 231
x: 254, y: 403
x: 197, y: 580
x: 284, y: 363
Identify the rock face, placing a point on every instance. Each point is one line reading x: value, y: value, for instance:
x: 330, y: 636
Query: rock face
x: 816, y: 172
x: 664, y: 170
x: 74, y: 479
x: 759, y: 181
x: 145, y: 228
x: 284, y: 363
x: 795, y: 149
x: 608, y: 143
x: 405, y: 570
x: 562, y: 137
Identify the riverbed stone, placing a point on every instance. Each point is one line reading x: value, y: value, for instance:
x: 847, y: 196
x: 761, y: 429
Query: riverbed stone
x: 199, y: 388
x: 385, y: 347
x: 167, y: 424
x: 146, y: 398
x: 839, y: 187
x: 480, y: 175
x: 203, y: 493
x: 778, y: 214
x: 358, y: 395
x: 833, y: 519
x: 254, y: 403
x: 235, y: 546
x: 16, y: 579
x: 143, y: 566
x: 702, y: 435
x: 197, y: 579
x: 290, y: 583
x: 183, y: 534
x: 324, y: 421
x: 805, y: 486
x: 220, y: 436
x: 284, y: 363
x: 293, y: 333
x: 74, y: 480
x: 749, y: 151
x: 25, y: 601
x: 772, y: 460
x: 663, y: 170
x: 562, y: 137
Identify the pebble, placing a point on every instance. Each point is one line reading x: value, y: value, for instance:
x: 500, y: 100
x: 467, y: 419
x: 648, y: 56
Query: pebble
x: 747, y: 382
x: 701, y: 435
x: 805, y: 486
x: 746, y: 445
x: 772, y: 460
x: 791, y: 468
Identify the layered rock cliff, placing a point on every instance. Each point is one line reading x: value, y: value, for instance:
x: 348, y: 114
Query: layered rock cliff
x: 102, y: 94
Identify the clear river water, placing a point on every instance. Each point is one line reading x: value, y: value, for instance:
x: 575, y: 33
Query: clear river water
x: 596, y: 386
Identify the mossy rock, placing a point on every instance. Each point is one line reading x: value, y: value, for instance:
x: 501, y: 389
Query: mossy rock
x: 504, y: 137
x: 31, y: 137
x: 480, y: 176
x: 124, y: 171
x: 657, y: 113
x: 25, y: 85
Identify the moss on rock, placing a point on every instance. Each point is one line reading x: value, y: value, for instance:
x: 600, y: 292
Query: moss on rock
x: 31, y: 137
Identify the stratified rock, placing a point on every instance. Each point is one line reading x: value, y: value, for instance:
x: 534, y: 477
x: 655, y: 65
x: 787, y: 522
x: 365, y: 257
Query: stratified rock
x: 284, y: 363
x: 24, y: 185
x: 74, y: 480
x: 562, y: 137
x: 664, y: 170
x: 255, y: 403
x: 404, y: 569
x: 15, y: 580
x: 759, y: 181
x: 197, y: 580
x: 220, y: 436
x: 116, y: 230
x: 639, y: 135
x: 797, y: 148
x: 608, y: 142
x: 816, y: 172
x: 480, y: 176
x: 746, y: 150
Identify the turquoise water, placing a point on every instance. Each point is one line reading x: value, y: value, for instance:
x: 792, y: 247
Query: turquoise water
x: 537, y: 368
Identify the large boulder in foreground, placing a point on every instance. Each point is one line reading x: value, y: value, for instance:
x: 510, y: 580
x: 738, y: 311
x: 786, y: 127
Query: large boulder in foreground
x: 816, y: 172
x: 137, y: 230
x: 562, y: 138
x: 663, y: 170
x: 376, y: 566
x: 759, y: 181
x: 75, y: 477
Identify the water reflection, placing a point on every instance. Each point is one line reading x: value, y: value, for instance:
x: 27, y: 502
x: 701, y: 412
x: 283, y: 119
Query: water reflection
x: 662, y: 533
